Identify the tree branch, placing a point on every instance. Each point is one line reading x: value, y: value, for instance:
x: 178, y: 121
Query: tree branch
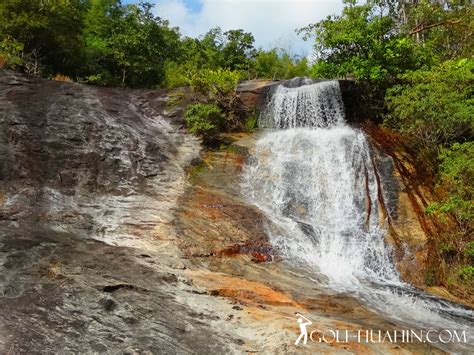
x: 422, y: 27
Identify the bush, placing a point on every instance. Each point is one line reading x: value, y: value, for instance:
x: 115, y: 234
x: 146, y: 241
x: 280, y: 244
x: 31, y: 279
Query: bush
x: 205, y: 121
x: 466, y: 273
x: 469, y: 249
x: 251, y: 122
x: 176, y: 74
x: 216, y: 84
x: 456, y: 181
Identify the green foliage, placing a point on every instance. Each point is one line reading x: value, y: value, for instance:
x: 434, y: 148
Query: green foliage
x: 214, y: 83
x: 457, y: 169
x: 232, y: 50
x: 267, y: 65
x: 96, y: 79
x: 105, y: 42
x: 10, y: 53
x: 380, y: 40
x: 443, y: 29
x: 238, y: 50
x: 176, y: 74
x: 469, y: 249
x: 466, y: 273
x: 456, y: 188
x: 128, y: 43
x: 430, y: 277
x: 361, y: 44
x: 204, y: 120
x: 434, y: 106
x: 101, y: 41
x: 251, y: 122
x: 49, y: 33
x: 279, y: 65
x: 456, y: 181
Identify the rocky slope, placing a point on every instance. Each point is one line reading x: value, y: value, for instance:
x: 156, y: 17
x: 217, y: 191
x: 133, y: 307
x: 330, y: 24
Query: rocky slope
x: 110, y: 242
x: 89, y: 179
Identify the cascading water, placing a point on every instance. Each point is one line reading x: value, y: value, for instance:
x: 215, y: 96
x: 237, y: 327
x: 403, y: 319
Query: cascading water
x: 315, y: 179
x: 299, y: 107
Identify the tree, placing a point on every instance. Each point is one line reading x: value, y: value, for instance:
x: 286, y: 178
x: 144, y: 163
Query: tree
x: 434, y: 107
x: 363, y: 44
x: 10, y: 52
x: 129, y: 43
x: 238, y: 50
x: 277, y: 64
x: 49, y: 33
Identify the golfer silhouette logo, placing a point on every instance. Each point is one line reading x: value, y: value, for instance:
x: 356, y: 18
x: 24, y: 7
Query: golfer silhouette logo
x: 303, y: 322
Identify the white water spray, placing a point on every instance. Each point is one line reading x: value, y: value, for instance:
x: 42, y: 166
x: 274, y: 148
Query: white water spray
x: 317, y: 182
x: 315, y: 179
x: 314, y: 105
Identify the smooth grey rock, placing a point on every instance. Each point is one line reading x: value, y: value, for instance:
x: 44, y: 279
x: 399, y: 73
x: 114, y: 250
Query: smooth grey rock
x: 89, y: 178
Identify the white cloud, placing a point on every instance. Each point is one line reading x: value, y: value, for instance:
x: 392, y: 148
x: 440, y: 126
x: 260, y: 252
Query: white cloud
x: 272, y: 22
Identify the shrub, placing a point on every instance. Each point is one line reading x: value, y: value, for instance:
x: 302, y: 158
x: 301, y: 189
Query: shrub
x: 456, y: 181
x: 469, y: 249
x: 216, y: 84
x: 466, y: 273
x: 205, y: 121
x: 176, y: 74
x: 252, y: 122
x: 10, y: 53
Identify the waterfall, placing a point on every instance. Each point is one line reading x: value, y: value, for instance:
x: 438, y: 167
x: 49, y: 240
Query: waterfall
x: 316, y: 181
x: 321, y: 191
x: 313, y: 105
x: 314, y: 178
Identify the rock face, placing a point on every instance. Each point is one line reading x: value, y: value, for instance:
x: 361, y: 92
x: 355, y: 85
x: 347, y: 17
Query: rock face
x: 109, y: 243
x: 96, y: 162
x: 88, y: 181
x: 410, y: 227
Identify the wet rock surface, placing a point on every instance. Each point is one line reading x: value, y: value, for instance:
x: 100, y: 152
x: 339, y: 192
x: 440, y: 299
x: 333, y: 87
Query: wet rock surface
x: 104, y: 163
x: 89, y: 178
x: 223, y: 246
x: 110, y: 242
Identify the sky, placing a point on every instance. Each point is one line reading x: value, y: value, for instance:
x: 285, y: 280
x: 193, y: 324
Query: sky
x: 272, y: 22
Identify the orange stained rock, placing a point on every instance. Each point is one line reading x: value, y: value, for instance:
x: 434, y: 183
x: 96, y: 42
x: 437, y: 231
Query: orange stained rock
x: 245, y: 291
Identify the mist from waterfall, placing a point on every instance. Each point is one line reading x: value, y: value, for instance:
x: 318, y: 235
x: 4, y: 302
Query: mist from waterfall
x: 314, y: 177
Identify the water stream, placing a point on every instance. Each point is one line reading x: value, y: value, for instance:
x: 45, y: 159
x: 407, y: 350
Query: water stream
x: 314, y: 177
